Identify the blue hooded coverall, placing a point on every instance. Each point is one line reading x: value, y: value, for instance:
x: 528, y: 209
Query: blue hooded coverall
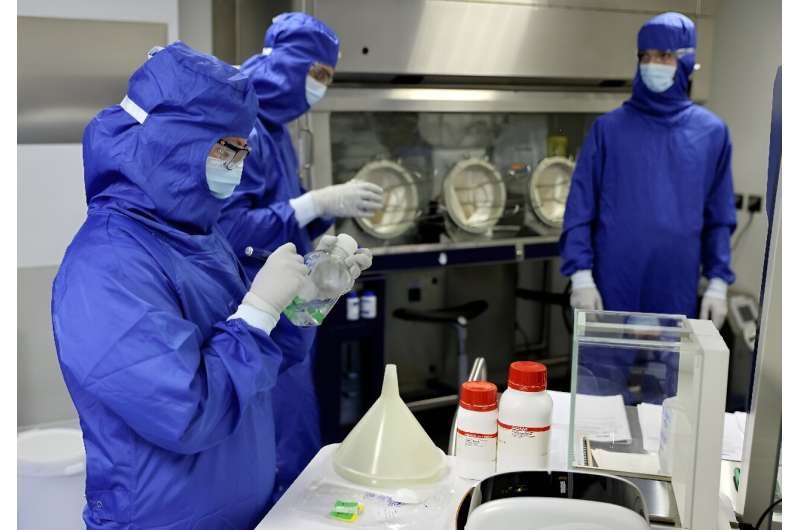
x: 651, y: 200
x: 174, y: 399
x: 259, y: 214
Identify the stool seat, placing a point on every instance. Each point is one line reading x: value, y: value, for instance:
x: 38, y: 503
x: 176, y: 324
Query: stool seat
x: 444, y: 315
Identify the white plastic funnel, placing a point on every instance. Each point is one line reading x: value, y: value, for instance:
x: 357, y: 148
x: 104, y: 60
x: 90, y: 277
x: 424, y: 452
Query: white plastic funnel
x: 388, y: 447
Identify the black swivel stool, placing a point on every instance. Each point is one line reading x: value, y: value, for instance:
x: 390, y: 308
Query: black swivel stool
x: 456, y: 316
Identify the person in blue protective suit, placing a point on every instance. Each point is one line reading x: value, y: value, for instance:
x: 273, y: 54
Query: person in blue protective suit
x: 271, y: 207
x: 650, y: 207
x: 163, y: 342
x: 651, y: 204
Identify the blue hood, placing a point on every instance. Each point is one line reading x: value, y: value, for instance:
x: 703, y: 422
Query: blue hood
x: 292, y: 44
x: 668, y: 31
x: 156, y: 169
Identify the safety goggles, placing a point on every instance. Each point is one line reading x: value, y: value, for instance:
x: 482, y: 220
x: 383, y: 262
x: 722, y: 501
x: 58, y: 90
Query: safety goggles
x: 231, y: 155
x: 663, y: 56
x: 322, y: 73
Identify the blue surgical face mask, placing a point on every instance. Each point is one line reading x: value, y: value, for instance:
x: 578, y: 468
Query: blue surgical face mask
x: 315, y: 90
x: 222, y: 181
x: 657, y: 77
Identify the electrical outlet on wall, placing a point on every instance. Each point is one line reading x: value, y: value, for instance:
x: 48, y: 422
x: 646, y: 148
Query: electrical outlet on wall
x: 414, y: 294
x: 739, y: 200
x: 754, y: 203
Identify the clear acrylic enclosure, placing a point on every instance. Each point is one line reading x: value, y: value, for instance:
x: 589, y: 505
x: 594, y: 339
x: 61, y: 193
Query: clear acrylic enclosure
x: 635, y: 398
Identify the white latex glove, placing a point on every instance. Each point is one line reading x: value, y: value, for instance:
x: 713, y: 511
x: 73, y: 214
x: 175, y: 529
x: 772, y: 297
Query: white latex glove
x: 326, y: 243
x: 273, y: 288
x: 354, y: 198
x: 360, y: 261
x: 714, y: 306
x: 584, y: 292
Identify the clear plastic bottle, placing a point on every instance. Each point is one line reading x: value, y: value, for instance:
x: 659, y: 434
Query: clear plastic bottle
x: 328, y: 279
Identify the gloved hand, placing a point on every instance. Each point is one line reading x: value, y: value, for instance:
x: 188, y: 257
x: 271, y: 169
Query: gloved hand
x: 326, y: 243
x: 278, y: 281
x: 360, y: 261
x: 714, y: 306
x: 584, y: 292
x: 355, y: 198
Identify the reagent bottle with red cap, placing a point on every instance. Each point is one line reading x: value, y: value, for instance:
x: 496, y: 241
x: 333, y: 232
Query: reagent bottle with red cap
x: 476, y: 430
x: 524, y: 416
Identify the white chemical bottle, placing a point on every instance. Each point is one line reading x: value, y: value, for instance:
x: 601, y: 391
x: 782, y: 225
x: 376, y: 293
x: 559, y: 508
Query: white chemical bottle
x: 328, y: 279
x: 476, y: 430
x: 353, y: 306
x: 369, y: 305
x: 524, y: 417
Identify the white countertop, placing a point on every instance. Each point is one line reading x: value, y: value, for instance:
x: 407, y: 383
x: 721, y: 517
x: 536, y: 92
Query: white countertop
x: 296, y: 510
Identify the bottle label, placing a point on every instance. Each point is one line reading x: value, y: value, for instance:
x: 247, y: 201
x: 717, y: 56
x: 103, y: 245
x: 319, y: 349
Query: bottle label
x: 521, y: 446
x: 522, y: 432
x: 476, y: 446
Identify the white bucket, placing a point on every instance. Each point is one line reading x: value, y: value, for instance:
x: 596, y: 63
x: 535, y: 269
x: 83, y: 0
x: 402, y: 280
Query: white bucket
x: 51, y: 473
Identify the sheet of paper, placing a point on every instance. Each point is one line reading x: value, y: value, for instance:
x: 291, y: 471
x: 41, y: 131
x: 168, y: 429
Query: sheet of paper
x: 602, y: 418
x: 597, y: 413
x: 650, y: 423
x: 557, y: 456
x: 561, y: 401
x: 733, y: 436
x: 646, y: 464
x: 732, y: 439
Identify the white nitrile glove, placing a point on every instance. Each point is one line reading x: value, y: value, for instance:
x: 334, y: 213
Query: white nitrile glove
x: 360, y: 261
x: 355, y: 198
x: 584, y: 292
x: 714, y: 306
x: 273, y: 288
x: 327, y: 243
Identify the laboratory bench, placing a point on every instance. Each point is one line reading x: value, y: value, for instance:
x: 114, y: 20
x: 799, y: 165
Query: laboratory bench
x: 296, y: 510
